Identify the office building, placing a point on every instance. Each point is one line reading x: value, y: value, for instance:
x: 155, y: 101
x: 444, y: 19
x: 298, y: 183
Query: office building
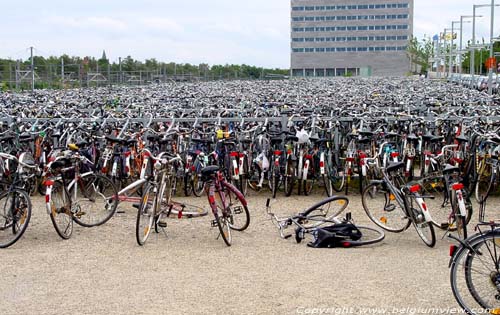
x: 350, y: 37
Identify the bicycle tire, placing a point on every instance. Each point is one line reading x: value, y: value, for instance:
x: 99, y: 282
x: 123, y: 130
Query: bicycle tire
x: 324, y: 211
x: 145, y: 215
x: 328, y: 185
x: 221, y: 217
x: 244, y: 177
x: 483, y: 183
x: 60, y: 210
x: 238, y: 207
x: 383, y: 209
x: 197, y: 184
x: 369, y: 236
x: 274, y: 182
x: 491, y: 276
x: 10, y: 231
x: 289, y: 177
x: 458, y: 268
x: 338, y: 181
x: 188, y: 188
x: 429, y: 240
x: 97, y: 198
x: 308, y: 185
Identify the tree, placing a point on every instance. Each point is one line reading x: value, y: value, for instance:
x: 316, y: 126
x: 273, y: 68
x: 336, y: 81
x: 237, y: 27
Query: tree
x: 419, y: 53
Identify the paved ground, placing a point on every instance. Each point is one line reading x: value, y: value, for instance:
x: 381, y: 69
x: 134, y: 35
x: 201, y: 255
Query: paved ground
x: 103, y: 271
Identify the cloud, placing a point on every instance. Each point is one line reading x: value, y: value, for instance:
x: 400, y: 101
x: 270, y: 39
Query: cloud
x: 92, y: 22
x: 163, y: 24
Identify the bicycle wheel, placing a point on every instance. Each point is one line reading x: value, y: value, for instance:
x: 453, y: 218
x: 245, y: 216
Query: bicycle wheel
x: 223, y: 219
x: 274, y: 179
x: 307, y: 186
x: 96, y: 200
x: 197, y: 184
x: 425, y: 231
x: 482, y: 273
x: 328, y: 185
x: 289, y: 177
x: 145, y: 215
x: 15, y: 215
x: 238, y: 209
x: 324, y: 211
x: 483, y: 183
x: 439, y: 204
x: 337, y: 179
x: 369, y: 236
x: 188, y: 188
x: 462, y: 279
x: 383, y: 209
x: 60, y: 210
x: 457, y: 222
x: 244, y: 177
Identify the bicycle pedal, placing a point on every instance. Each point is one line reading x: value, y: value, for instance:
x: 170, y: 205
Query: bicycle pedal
x: 214, y: 223
x: 162, y: 224
x: 444, y: 226
x: 79, y: 214
x: 238, y: 210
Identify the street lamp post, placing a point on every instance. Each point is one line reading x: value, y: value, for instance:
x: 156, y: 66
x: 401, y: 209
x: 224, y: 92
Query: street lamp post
x: 444, y: 52
x: 473, y: 49
x: 451, y: 47
x: 461, y: 39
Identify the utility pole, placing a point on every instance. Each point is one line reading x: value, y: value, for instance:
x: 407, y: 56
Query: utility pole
x: 473, y: 50
x: 490, y: 74
x: 33, y: 70
x: 62, y: 72
x: 18, y: 68
x: 120, y: 69
x: 461, y: 40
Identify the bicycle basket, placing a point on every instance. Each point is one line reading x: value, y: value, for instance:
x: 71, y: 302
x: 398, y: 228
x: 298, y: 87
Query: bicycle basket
x: 334, y: 235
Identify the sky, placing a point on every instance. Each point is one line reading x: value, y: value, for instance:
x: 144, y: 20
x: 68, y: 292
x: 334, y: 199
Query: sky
x: 255, y: 32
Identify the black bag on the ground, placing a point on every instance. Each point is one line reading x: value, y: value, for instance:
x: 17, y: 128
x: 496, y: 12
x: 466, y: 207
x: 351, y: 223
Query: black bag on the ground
x: 334, y: 235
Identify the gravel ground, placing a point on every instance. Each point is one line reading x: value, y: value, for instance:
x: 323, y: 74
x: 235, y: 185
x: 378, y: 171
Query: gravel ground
x: 103, y: 270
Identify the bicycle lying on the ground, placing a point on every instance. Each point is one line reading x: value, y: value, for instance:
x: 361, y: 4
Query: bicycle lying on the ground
x: 322, y: 221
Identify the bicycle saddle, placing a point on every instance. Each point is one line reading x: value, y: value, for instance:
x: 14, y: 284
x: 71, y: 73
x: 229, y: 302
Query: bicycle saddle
x: 437, y: 139
x: 64, y: 162
x: 395, y: 167
x: 461, y: 139
x: 292, y: 138
x: 449, y: 169
x: 208, y: 172
x: 427, y: 137
x: 112, y: 139
x: 276, y: 140
x: 205, y: 141
x: 412, y: 137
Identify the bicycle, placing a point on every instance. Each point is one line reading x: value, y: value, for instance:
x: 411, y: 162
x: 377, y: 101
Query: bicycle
x: 15, y: 206
x: 476, y: 262
x: 317, y: 216
x: 87, y: 198
x: 228, y: 204
x: 394, y: 205
x: 155, y: 201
